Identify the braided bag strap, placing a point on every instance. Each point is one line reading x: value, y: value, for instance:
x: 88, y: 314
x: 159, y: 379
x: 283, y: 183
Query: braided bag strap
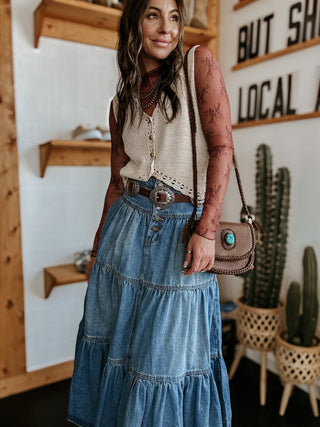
x: 193, y: 126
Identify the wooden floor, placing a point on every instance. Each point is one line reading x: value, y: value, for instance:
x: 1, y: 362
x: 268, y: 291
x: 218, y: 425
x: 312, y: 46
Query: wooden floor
x: 247, y: 411
x: 47, y: 406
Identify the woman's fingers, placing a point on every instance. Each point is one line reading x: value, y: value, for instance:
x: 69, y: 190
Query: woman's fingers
x: 188, y: 258
x: 199, y: 262
x: 198, y: 265
x: 200, y: 253
x: 209, y: 266
x: 194, y: 268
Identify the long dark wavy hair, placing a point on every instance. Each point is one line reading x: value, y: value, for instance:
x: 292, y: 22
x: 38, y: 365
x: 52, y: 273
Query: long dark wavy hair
x: 129, y: 48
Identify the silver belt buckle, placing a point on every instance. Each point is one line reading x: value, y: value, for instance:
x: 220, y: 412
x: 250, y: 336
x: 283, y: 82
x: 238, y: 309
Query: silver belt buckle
x: 162, y: 190
x: 134, y: 190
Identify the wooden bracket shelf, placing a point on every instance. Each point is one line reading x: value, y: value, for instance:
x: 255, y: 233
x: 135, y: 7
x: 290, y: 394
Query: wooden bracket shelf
x: 61, y: 275
x: 242, y: 3
x: 93, y: 24
x: 272, y: 55
x: 74, y: 153
x: 288, y: 118
x: 76, y: 21
x: 193, y: 36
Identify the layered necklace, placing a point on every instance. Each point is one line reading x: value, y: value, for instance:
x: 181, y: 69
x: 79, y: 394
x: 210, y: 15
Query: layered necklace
x: 154, y: 91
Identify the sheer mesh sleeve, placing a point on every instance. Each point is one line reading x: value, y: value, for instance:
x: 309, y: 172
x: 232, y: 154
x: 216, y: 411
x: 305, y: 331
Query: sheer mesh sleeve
x: 213, y: 104
x: 116, y: 188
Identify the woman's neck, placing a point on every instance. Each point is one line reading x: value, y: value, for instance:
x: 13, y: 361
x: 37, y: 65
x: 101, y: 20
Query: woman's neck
x: 149, y: 77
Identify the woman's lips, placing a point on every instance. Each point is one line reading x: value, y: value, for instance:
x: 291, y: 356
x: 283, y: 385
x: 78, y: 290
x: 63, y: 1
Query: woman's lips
x: 162, y: 43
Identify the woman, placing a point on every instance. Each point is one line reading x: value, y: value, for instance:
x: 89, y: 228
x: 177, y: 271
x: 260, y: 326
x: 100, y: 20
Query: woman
x: 148, y: 349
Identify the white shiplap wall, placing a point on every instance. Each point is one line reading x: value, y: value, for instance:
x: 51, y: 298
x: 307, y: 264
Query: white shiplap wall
x: 57, y: 87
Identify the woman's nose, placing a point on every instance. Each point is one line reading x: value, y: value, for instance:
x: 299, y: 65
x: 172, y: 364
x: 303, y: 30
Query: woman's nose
x: 164, y: 26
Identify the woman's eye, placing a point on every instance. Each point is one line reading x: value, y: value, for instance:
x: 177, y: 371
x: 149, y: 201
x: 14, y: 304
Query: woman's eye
x: 175, y: 17
x: 152, y: 15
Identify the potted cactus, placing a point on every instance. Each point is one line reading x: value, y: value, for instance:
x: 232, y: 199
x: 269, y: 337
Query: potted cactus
x: 259, y: 311
x: 297, y: 350
x: 263, y: 284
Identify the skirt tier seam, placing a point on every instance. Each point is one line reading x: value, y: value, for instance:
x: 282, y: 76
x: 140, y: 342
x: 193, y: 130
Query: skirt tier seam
x: 93, y: 338
x: 125, y: 362
x: 145, y: 284
x: 164, y: 379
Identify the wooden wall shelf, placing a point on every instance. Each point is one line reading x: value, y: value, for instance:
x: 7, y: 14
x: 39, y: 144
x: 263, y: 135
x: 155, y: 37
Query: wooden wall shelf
x: 242, y: 4
x: 292, y: 117
x: 272, y: 55
x: 61, y: 275
x: 93, y: 24
x: 74, y: 153
x: 76, y: 21
x: 193, y: 36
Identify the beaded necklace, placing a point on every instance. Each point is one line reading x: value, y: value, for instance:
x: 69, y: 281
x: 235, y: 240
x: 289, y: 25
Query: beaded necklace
x: 148, y: 93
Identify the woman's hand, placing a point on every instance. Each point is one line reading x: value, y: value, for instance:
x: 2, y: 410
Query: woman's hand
x: 202, y: 256
x: 89, y: 267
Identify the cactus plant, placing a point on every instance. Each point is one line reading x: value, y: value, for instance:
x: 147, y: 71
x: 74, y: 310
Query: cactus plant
x: 292, y: 311
x: 262, y: 285
x: 302, y: 329
x: 310, y: 296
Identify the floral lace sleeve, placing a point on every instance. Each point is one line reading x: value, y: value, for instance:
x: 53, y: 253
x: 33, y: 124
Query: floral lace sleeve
x: 213, y: 104
x: 116, y: 188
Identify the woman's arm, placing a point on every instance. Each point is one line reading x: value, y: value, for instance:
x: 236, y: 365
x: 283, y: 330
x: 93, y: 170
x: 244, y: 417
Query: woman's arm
x: 214, y: 109
x: 116, y: 188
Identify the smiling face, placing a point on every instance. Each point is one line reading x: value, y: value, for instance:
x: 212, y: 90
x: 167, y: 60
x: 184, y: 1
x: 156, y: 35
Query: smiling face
x: 160, y: 28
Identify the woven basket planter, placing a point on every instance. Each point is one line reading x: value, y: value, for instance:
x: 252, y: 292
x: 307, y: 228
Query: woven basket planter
x: 257, y: 328
x: 297, y: 365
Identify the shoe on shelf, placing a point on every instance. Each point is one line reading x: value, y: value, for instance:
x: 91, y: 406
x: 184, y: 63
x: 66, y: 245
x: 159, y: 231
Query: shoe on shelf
x: 106, y: 135
x: 102, y: 2
x: 200, y: 17
x: 82, y: 133
x: 117, y: 5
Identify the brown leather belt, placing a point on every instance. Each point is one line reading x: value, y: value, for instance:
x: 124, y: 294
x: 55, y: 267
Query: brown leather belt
x: 178, y: 198
x: 161, y: 196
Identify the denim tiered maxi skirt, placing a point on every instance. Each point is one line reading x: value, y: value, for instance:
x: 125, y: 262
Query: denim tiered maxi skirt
x: 148, y: 349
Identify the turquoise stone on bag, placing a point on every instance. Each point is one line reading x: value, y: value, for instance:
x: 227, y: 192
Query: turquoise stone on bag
x: 229, y: 238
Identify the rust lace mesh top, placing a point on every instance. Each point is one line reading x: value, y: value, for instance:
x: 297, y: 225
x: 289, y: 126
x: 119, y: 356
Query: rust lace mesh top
x: 214, y: 110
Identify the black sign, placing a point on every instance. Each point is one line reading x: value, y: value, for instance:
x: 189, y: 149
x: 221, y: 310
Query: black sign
x: 255, y: 109
x: 304, y: 24
x: 253, y: 41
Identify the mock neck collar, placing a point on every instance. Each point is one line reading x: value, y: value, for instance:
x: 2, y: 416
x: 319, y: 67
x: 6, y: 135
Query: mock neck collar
x: 150, y: 75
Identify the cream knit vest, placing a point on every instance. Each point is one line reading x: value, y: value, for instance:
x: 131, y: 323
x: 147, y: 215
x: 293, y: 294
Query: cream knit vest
x: 163, y: 150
